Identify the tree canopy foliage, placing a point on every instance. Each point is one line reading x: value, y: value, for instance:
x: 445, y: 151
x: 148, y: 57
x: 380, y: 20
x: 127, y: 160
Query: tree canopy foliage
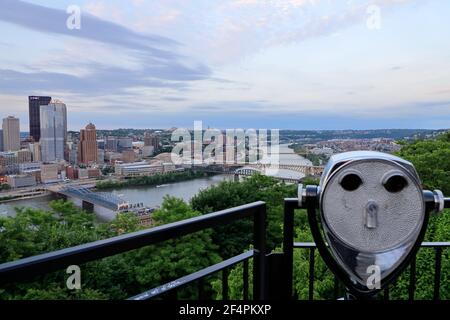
x: 432, y: 161
x: 154, y: 180
x: 232, y: 239
x: 32, y: 232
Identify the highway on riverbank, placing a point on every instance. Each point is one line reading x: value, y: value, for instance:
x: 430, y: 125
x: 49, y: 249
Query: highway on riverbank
x: 42, y: 190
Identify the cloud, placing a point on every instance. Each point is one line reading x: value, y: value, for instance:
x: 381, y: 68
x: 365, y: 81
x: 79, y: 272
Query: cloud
x: 104, y: 80
x: 288, y: 24
x: 51, y: 20
x: 235, y: 29
x: 174, y: 99
x: 119, y: 75
x: 247, y: 27
x: 154, y: 59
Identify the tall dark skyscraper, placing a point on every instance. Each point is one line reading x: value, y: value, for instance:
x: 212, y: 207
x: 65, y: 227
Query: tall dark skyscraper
x: 34, y: 106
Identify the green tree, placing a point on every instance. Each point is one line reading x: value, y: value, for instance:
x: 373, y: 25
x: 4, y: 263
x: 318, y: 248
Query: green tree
x: 58, y: 293
x: 235, y: 283
x: 149, y: 180
x: 432, y: 161
x: 159, y: 264
x: 233, y: 238
x: 33, y: 232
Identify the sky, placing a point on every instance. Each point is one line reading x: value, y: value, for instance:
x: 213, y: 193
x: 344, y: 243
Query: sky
x: 285, y: 64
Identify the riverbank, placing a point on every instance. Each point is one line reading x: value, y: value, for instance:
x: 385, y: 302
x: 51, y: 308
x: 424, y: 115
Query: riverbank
x: 316, y: 159
x: 8, y: 198
x: 149, y: 181
x: 151, y: 196
x: 21, y: 195
x: 16, y: 198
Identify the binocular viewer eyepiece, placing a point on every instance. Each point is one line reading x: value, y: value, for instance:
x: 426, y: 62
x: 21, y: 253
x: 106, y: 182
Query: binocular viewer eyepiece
x: 368, y: 217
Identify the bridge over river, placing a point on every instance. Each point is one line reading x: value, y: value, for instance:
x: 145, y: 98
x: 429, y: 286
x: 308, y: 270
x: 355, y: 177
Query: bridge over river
x: 105, y: 204
x: 90, y: 199
x: 286, y: 172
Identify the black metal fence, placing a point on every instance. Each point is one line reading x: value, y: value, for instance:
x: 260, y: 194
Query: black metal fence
x: 24, y: 269
x: 438, y: 248
x: 272, y: 273
x: 199, y: 276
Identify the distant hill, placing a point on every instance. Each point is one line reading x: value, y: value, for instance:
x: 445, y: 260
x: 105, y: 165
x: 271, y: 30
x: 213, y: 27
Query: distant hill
x: 319, y: 135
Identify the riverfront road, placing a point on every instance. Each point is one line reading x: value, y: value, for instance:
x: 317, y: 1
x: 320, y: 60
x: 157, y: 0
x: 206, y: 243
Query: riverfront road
x: 43, y: 189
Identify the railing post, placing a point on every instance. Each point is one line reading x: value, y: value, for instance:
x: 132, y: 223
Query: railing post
x: 260, y: 279
x: 311, y: 273
x: 288, y: 247
x: 245, y: 280
x: 336, y: 288
x: 201, y: 292
x: 225, y: 284
x: 437, y: 273
x: 412, y: 279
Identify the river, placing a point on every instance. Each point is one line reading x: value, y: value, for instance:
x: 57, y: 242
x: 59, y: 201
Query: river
x: 153, y: 196
x: 150, y: 196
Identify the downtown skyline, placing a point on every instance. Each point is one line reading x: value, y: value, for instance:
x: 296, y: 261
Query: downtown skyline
x: 287, y: 64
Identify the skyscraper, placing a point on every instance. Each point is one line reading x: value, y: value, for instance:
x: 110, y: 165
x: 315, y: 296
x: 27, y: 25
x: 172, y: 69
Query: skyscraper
x: 53, y: 123
x: 11, y: 134
x: 1, y: 140
x: 34, y: 106
x: 151, y: 140
x: 87, y: 148
x: 124, y: 143
x: 111, y: 144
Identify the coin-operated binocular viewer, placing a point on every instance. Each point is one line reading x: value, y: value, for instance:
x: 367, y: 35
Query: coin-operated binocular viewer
x: 368, y: 218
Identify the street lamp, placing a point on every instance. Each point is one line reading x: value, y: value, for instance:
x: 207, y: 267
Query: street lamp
x: 371, y: 219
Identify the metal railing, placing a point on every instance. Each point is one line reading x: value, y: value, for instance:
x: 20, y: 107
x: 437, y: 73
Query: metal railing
x: 24, y: 269
x: 272, y: 273
x: 198, y: 277
x: 438, y: 247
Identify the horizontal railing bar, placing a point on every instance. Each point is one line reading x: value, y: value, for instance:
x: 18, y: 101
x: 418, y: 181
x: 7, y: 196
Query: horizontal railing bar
x: 305, y: 245
x: 308, y: 245
x: 193, y: 277
x: 435, y: 244
x: 23, y: 269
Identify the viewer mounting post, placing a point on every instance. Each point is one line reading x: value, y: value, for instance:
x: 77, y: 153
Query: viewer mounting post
x: 260, y: 264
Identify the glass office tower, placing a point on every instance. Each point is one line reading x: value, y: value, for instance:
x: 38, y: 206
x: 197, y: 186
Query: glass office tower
x: 53, y: 118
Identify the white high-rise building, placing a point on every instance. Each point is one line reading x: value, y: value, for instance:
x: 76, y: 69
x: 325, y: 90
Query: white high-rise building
x: 11, y: 134
x: 53, y: 119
